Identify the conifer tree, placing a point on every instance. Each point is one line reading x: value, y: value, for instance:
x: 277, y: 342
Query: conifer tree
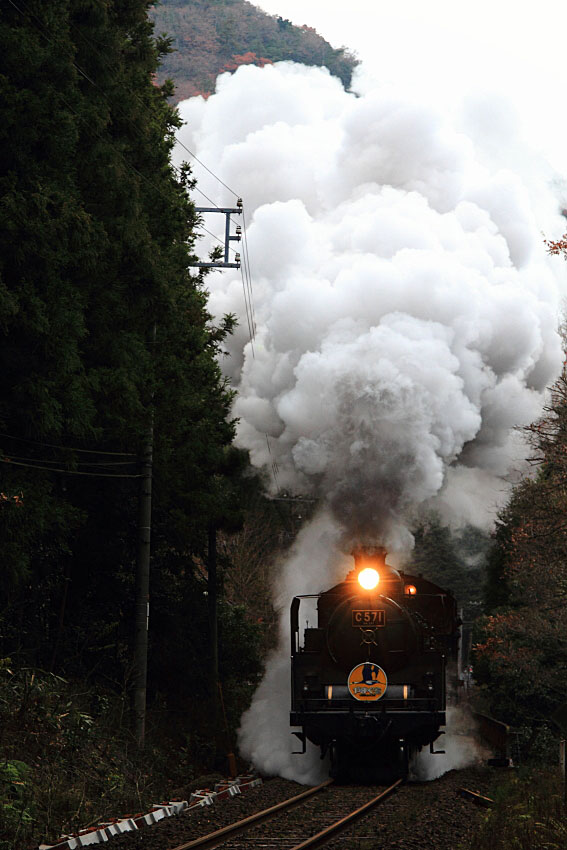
x: 96, y: 234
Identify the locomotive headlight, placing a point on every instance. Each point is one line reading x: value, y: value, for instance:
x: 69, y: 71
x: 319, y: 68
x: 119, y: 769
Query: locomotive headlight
x: 368, y: 578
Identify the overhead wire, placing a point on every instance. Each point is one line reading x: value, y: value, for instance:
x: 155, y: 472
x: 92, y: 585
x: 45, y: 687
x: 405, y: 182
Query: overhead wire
x: 138, y: 98
x: 66, y: 448
x: 245, y: 265
x: 195, y: 157
x: 87, y: 77
x: 246, y: 255
x: 274, y: 463
x: 106, y: 464
x: 210, y: 200
x: 81, y: 118
x: 177, y: 171
x: 248, y: 310
x: 70, y: 471
x: 138, y: 173
x: 217, y: 238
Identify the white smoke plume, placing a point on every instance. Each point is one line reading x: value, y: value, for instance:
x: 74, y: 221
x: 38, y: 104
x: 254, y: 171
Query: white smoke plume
x: 405, y: 310
x: 314, y: 562
x: 459, y: 747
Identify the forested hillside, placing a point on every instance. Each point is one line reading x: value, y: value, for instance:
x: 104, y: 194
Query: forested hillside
x: 212, y: 36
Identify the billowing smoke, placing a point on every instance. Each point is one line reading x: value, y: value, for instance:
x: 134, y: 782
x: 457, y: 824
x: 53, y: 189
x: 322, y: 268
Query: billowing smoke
x: 405, y: 308
x: 314, y: 562
x: 458, y: 747
x: 405, y: 311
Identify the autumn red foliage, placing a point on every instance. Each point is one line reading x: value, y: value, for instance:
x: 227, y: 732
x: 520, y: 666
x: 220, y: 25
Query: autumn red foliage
x: 558, y: 247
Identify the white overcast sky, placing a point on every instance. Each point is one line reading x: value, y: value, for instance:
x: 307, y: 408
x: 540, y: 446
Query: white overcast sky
x: 444, y: 49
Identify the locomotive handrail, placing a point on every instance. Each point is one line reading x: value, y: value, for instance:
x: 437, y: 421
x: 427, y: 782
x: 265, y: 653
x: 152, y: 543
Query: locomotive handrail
x: 307, y: 596
x: 294, y: 624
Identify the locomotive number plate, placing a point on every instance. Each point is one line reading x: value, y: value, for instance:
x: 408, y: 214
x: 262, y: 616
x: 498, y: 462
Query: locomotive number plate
x: 368, y: 619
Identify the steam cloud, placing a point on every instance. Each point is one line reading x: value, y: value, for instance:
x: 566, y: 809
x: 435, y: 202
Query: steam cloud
x: 405, y: 309
x: 406, y: 313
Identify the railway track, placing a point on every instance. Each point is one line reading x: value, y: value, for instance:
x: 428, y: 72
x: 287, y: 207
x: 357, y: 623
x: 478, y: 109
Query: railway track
x: 303, y: 822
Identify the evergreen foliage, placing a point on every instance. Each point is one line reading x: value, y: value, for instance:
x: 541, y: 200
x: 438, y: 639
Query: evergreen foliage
x: 96, y: 234
x: 455, y: 560
x: 521, y: 653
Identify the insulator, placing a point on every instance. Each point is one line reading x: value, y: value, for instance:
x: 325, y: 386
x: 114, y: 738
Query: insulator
x: 239, y: 203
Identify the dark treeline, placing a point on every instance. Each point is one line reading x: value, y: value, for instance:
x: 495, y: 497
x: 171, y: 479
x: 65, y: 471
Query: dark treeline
x: 103, y: 327
x: 96, y: 237
x: 521, y: 653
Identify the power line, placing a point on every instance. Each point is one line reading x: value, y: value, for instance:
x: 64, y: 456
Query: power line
x: 248, y: 311
x: 210, y: 200
x: 69, y: 471
x: 80, y: 117
x: 67, y: 448
x: 217, y: 238
x: 274, y: 463
x: 179, y: 142
x: 87, y: 77
x: 104, y: 464
x: 176, y: 170
x: 247, y: 263
x: 247, y: 281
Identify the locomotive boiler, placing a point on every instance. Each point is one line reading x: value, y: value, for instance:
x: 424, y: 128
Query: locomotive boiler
x: 369, y: 681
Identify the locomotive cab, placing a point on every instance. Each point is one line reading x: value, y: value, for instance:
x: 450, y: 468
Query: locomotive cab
x: 368, y: 680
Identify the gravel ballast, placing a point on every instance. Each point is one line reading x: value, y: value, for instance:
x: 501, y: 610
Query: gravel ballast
x: 418, y: 816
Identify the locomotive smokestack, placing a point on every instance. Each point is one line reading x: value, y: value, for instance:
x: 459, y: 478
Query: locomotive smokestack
x: 375, y: 558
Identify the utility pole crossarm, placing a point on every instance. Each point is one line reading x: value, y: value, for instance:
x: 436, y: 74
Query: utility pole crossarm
x: 228, y: 238
x: 225, y: 210
x: 220, y: 265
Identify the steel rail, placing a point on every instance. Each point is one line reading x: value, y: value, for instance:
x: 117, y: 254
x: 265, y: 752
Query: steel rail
x: 214, y: 838
x: 329, y: 831
x: 476, y: 797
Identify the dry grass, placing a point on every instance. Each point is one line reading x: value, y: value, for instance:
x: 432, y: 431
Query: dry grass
x: 530, y: 813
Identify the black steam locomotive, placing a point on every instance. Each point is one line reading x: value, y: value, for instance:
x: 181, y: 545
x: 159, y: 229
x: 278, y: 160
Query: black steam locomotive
x: 369, y: 682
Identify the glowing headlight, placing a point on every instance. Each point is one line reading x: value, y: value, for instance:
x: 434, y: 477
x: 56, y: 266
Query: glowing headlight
x: 368, y: 578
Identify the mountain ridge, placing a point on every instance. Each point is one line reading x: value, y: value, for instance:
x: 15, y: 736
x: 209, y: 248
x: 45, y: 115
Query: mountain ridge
x: 210, y: 37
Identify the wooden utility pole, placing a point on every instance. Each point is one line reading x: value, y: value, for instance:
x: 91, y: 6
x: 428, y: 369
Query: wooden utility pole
x: 144, y: 533
x: 212, y: 593
x: 142, y: 611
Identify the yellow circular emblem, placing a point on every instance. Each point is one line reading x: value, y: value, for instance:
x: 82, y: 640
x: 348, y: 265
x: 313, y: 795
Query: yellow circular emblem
x: 367, y: 682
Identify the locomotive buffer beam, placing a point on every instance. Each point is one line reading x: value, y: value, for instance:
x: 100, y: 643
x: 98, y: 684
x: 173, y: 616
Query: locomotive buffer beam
x: 303, y: 738
x: 436, y: 752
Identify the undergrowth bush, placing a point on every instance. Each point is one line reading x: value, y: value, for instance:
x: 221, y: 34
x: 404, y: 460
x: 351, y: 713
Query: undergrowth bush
x: 68, y: 759
x: 529, y: 813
